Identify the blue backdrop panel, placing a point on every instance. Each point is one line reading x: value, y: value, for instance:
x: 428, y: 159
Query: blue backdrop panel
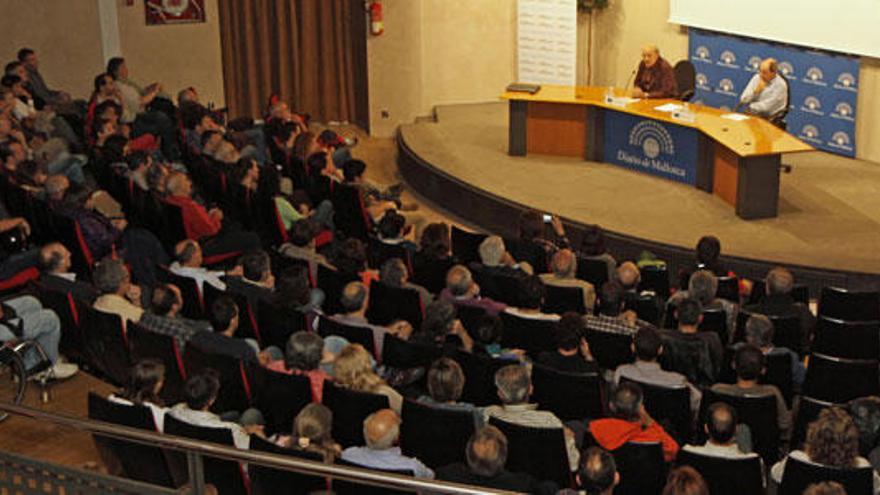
x: 652, y: 147
x: 823, y: 86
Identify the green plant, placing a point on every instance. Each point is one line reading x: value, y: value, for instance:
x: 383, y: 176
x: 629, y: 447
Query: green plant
x: 590, y: 5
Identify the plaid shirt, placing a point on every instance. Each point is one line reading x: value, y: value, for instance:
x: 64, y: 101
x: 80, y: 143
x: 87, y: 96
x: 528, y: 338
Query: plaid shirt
x: 612, y: 324
x: 182, y: 329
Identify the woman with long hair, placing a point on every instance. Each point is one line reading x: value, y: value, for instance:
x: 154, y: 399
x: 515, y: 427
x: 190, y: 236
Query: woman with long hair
x: 353, y: 370
x: 832, y: 440
x: 312, y: 433
x: 144, y: 384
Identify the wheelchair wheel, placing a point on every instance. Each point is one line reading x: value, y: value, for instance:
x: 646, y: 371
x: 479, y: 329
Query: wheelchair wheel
x: 13, y: 378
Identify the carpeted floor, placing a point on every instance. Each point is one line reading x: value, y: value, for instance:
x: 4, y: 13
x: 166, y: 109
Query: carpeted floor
x: 829, y: 208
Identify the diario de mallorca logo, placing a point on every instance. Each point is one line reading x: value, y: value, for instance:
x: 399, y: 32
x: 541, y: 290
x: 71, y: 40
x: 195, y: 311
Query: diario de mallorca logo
x: 815, y: 76
x: 812, y: 105
x: 653, y: 139
x: 841, y: 141
x: 786, y: 68
x: 702, y: 54
x: 846, y: 81
x: 703, y: 82
x: 727, y: 59
x: 843, y: 111
x: 754, y: 64
x: 810, y: 133
x: 725, y: 87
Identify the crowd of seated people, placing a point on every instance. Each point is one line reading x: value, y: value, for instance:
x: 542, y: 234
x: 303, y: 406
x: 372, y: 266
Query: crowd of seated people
x: 227, y: 238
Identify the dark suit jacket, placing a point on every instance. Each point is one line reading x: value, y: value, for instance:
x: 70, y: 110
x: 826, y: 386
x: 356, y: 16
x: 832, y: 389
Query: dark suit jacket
x: 254, y: 293
x: 81, y: 291
x: 216, y: 343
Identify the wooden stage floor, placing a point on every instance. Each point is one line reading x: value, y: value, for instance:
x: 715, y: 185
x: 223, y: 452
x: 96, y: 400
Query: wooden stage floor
x: 829, y: 216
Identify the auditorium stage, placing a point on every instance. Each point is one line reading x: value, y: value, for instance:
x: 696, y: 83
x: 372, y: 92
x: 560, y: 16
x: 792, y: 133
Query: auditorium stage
x: 827, y: 231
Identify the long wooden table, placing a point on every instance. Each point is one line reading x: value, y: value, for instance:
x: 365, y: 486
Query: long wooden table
x: 738, y: 161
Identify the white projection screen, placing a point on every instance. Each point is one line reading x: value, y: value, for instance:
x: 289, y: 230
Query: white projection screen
x: 846, y: 26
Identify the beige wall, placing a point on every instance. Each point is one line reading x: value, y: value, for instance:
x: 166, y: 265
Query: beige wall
x: 65, y: 35
x: 438, y: 52
x: 177, y: 55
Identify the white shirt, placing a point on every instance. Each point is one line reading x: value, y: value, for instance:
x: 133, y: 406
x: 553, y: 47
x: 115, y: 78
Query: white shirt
x: 208, y: 419
x: 771, y: 100
x: 200, y: 275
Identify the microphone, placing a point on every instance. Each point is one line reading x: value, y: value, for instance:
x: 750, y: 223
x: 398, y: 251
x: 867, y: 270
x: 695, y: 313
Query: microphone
x: 630, y: 78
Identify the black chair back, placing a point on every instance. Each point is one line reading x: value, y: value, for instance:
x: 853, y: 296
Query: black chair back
x: 403, y: 354
x: 685, y: 79
x: 779, y: 374
x: 174, y: 229
x: 431, y: 273
x: 849, y: 305
x: 799, y: 475
x: 466, y: 245
x: 847, y: 339
x: 500, y: 287
x: 388, y: 304
x: 380, y: 252
x: 561, y: 299
x: 248, y: 327
x: 532, y: 335
x: 72, y: 342
x: 479, y: 377
x: 434, y: 435
x: 139, y: 462
x: 726, y: 476
x: 193, y: 302
x: 278, y: 324
x: 715, y: 320
x: 808, y: 410
x: 268, y: 481
x: 280, y: 397
x: 227, y: 476
x: 570, y: 396
x: 147, y: 344
x: 235, y: 387
x: 669, y: 406
x: 728, y: 288
x: 332, y: 283
x: 758, y: 412
x: 540, y: 452
x: 106, y: 344
x: 641, y: 467
x: 610, y: 349
x: 349, y: 214
x: 470, y: 316
x: 800, y: 293
x: 354, y: 335
x: 655, y: 279
x: 594, y: 271
x: 350, y: 409
x: 836, y: 379
x: 343, y: 487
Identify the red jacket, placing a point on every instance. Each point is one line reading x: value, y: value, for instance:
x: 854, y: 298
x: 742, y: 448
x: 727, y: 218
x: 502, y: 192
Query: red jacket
x: 611, y: 433
x: 196, y: 220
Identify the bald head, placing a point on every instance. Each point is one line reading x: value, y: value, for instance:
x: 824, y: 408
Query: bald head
x: 55, y: 258
x: 459, y: 280
x: 650, y: 54
x: 56, y: 186
x: 628, y: 275
x: 768, y: 69
x: 779, y: 281
x: 564, y: 263
x: 381, y: 429
x: 354, y: 297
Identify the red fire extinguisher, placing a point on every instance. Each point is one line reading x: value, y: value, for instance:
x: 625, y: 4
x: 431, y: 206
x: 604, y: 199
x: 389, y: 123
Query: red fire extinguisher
x: 377, y: 26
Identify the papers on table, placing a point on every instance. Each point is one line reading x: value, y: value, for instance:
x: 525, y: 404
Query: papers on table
x: 619, y: 101
x: 669, y: 107
x: 738, y: 117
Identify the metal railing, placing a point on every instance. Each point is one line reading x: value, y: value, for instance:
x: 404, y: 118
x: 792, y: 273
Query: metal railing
x: 195, y: 450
